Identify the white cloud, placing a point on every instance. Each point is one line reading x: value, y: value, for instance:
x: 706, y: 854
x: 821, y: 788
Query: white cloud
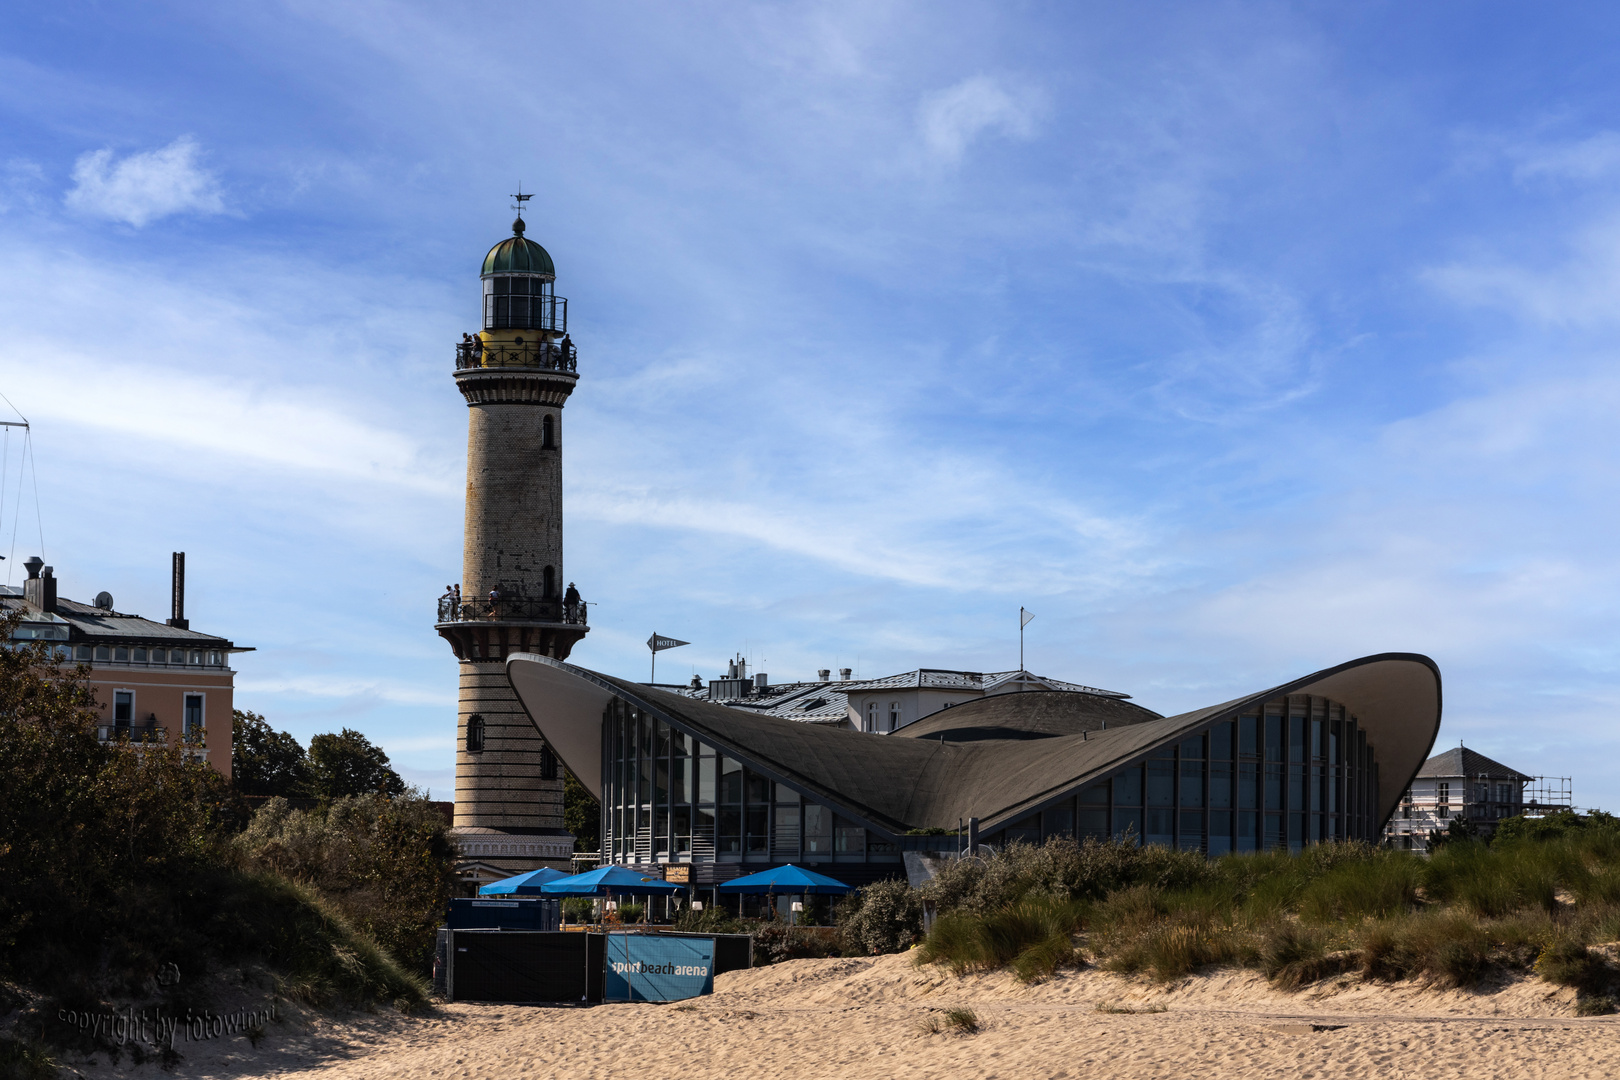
x: 952, y: 119
x: 1578, y: 290
x: 280, y: 428
x: 341, y: 688
x: 144, y: 187
x: 1586, y: 159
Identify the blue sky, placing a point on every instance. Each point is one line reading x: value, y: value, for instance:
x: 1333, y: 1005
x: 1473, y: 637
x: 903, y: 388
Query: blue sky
x: 1233, y: 340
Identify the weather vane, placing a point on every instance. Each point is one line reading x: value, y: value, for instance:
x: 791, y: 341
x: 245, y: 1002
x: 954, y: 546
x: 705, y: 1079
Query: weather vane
x: 521, y: 199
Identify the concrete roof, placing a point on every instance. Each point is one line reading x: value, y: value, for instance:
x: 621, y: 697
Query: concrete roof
x: 897, y: 783
x: 1030, y: 714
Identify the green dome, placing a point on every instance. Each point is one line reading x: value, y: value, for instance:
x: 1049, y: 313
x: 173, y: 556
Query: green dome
x: 517, y: 255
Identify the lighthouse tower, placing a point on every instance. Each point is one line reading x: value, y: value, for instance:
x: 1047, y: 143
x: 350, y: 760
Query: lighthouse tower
x: 516, y: 374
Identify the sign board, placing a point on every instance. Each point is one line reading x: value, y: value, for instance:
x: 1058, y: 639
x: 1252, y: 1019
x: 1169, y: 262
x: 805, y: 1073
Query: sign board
x: 659, y: 644
x: 678, y: 874
x: 656, y: 967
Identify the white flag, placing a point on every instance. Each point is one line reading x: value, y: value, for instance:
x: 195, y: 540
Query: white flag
x: 1024, y: 617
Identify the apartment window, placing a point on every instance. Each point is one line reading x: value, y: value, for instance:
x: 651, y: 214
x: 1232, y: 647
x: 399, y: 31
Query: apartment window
x: 140, y: 656
x: 871, y: 716
x: 1444, y: 798
x: 196, y: 656
x: 123, y: 706
x: 894, y: 715
x: 121, y: 654
x: 193, y: 721
x: 214, y: 658
x: 81, y: 652
x: 475, y: 734
x: 177, y: 656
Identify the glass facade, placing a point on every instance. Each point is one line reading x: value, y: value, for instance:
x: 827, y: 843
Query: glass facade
x: 1291, y: 772
x: 1285, y: 774
x: 669, y: 797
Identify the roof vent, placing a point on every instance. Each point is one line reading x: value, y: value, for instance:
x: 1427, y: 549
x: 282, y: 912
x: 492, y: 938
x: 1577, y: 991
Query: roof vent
x: 824, y: 674
x: 843, y: 674
x: 104, y: 600
x: 762, y: 682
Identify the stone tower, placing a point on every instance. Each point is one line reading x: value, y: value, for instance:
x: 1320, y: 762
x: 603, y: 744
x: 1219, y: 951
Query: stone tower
x: 516, y: 374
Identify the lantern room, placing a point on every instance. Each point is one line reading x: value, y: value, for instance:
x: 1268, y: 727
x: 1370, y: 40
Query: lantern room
x: 518, y: 280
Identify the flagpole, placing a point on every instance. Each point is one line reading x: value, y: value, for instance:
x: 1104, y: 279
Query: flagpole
x: 1020, y: 640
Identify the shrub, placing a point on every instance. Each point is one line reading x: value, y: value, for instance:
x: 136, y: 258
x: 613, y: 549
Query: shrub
x: 578, y: 909
x: 1569, y: 963
x: 631, y: 913
x: 1376, y: 887
x: 885, y: 917
x: 1033, y: 936
x: 386, y: 864
x: 775, y: 942
x: 1292, y: 956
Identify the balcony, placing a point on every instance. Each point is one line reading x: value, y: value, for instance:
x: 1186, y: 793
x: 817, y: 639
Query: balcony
x: 148, y: 732
x: 518, y: 353
x: 514, y: 610
x: 520, y: 311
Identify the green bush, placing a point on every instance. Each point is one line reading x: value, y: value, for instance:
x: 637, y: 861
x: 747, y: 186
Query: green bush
x: 578, y: 909
x: 386, y: 864
x: 115, y: 864
x: 1033, y: 936
x: 885, y: 917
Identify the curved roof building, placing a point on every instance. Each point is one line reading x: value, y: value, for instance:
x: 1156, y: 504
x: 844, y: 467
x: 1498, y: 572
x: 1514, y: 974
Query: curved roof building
x: 1323, y: 757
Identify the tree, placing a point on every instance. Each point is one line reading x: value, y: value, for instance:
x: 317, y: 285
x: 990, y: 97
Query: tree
x: 349, y: 764
x: 582, y: 815
x: 265, y: 761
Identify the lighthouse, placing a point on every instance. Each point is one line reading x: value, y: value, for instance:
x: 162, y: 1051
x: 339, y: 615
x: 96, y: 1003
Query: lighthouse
x: 516, y: 374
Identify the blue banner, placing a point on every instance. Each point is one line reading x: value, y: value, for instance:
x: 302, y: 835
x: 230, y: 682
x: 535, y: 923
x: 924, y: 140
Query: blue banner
x: 651, y: 967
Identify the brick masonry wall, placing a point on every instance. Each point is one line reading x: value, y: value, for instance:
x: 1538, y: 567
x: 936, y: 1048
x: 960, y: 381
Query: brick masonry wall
x: 514, y: 501
x: 500, y: 787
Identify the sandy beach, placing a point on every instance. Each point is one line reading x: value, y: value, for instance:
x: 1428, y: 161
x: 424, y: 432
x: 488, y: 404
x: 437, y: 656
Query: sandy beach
x: 869, y: 1018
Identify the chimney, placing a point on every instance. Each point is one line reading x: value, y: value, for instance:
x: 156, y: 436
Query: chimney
x: 762, y: 682
x: 177, y: 592
x: 40, y: 588
x: 843, y: 674
x: 824, y: 674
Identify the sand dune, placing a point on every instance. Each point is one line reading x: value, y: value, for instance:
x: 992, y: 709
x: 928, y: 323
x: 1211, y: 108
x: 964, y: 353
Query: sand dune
x: 865, y: 1018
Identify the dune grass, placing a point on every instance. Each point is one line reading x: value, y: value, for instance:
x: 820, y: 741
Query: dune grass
x: 1450, y: 919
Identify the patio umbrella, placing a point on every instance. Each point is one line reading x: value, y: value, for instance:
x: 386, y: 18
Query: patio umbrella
x: 610, y: 881
x: 787, y: 881
x: 523, y: 884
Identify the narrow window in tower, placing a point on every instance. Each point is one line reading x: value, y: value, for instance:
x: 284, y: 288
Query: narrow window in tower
x: 549, y: 583
x: 548, y: 433
x: 548, y: 764
x: 475, y: 734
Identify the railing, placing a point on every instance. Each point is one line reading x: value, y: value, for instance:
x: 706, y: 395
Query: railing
x: 454, y: 609
x: 136, y: 733
x: 520, y: 352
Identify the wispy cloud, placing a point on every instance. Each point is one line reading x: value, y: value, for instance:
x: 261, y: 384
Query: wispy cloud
x: 143, y: 187
x: 278, y: 427
x: 1592, y: 158
x: 951, y: 120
